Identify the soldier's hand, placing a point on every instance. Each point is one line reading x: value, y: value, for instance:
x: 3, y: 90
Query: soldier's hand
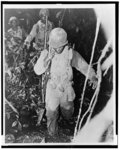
x: 93, y: 81
x: 51, y: 54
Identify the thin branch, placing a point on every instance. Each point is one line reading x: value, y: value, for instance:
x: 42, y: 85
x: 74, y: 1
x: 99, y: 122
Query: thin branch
x: 95, y: 96
x: 13, y: 108
x: 88, y: 110
x: 99, y: 74
x: 83, y: 93
x: 107, y: 64
x: 92, y: 108
x: 106, y: 48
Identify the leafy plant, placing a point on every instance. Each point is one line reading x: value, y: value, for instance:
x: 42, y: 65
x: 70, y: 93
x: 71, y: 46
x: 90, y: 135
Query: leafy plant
x: 22, y: 86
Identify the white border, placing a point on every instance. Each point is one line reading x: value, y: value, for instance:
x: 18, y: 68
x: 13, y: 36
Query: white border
x: 38, y: 6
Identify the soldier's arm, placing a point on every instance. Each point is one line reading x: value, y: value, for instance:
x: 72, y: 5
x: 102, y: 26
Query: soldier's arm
x: 42, y: 63
x: 81, y: 65
x: 32, y: 34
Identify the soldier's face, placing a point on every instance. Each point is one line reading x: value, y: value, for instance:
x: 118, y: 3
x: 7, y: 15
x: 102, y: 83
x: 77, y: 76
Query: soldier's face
x: 43, y: 18
x: 59, y: 50
x: 14, y: 23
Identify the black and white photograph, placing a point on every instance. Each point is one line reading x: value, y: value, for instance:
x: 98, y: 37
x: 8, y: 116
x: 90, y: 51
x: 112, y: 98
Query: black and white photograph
x: 58, y: 74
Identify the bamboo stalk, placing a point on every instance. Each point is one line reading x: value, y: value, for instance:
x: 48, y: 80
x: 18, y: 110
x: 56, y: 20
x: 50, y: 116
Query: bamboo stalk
x: 85, y: 83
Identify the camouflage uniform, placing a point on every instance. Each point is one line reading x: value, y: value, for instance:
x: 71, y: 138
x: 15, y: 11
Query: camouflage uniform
x: 14, y: 41
x: 16, y: 36
x: 38, y: 32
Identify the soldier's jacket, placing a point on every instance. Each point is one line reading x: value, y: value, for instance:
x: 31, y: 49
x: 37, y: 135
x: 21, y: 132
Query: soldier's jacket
x: 38, y: 32
x: 17, y: 33
x: 61, y: 73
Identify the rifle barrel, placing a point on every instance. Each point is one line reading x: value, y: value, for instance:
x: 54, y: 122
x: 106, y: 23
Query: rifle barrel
x: 45, y: 45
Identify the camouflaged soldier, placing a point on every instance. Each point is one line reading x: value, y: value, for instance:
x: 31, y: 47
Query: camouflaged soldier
x: 39, y: 31
x: 59, y: 91
x: 15, y: 34
x: 14, y: 38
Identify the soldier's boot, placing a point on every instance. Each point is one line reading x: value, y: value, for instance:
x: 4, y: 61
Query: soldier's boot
x: 52, y: 121
x: 67, y: 109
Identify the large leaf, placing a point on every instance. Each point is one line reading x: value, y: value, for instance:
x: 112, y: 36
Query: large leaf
x: 14, y: 123
x: 19, y: 126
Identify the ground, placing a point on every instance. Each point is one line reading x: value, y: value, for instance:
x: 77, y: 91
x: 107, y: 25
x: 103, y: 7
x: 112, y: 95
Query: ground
x: 38, y: 134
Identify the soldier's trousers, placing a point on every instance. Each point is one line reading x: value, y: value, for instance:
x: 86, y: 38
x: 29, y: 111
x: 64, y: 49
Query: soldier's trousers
x: 55, y: 99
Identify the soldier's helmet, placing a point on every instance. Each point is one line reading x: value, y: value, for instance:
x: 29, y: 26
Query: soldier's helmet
x: 44, y: 12
x: 11, y: 19
x: 57, y: 38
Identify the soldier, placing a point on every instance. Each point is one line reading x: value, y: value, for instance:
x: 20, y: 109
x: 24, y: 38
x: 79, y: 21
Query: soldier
x: 15, y: 34
x: 59, y: 91
x: 14, y: 38
x: 40, y: 31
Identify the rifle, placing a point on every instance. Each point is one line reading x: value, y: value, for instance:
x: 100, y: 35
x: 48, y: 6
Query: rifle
x: 42, y: 110
x: 44, y: 75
